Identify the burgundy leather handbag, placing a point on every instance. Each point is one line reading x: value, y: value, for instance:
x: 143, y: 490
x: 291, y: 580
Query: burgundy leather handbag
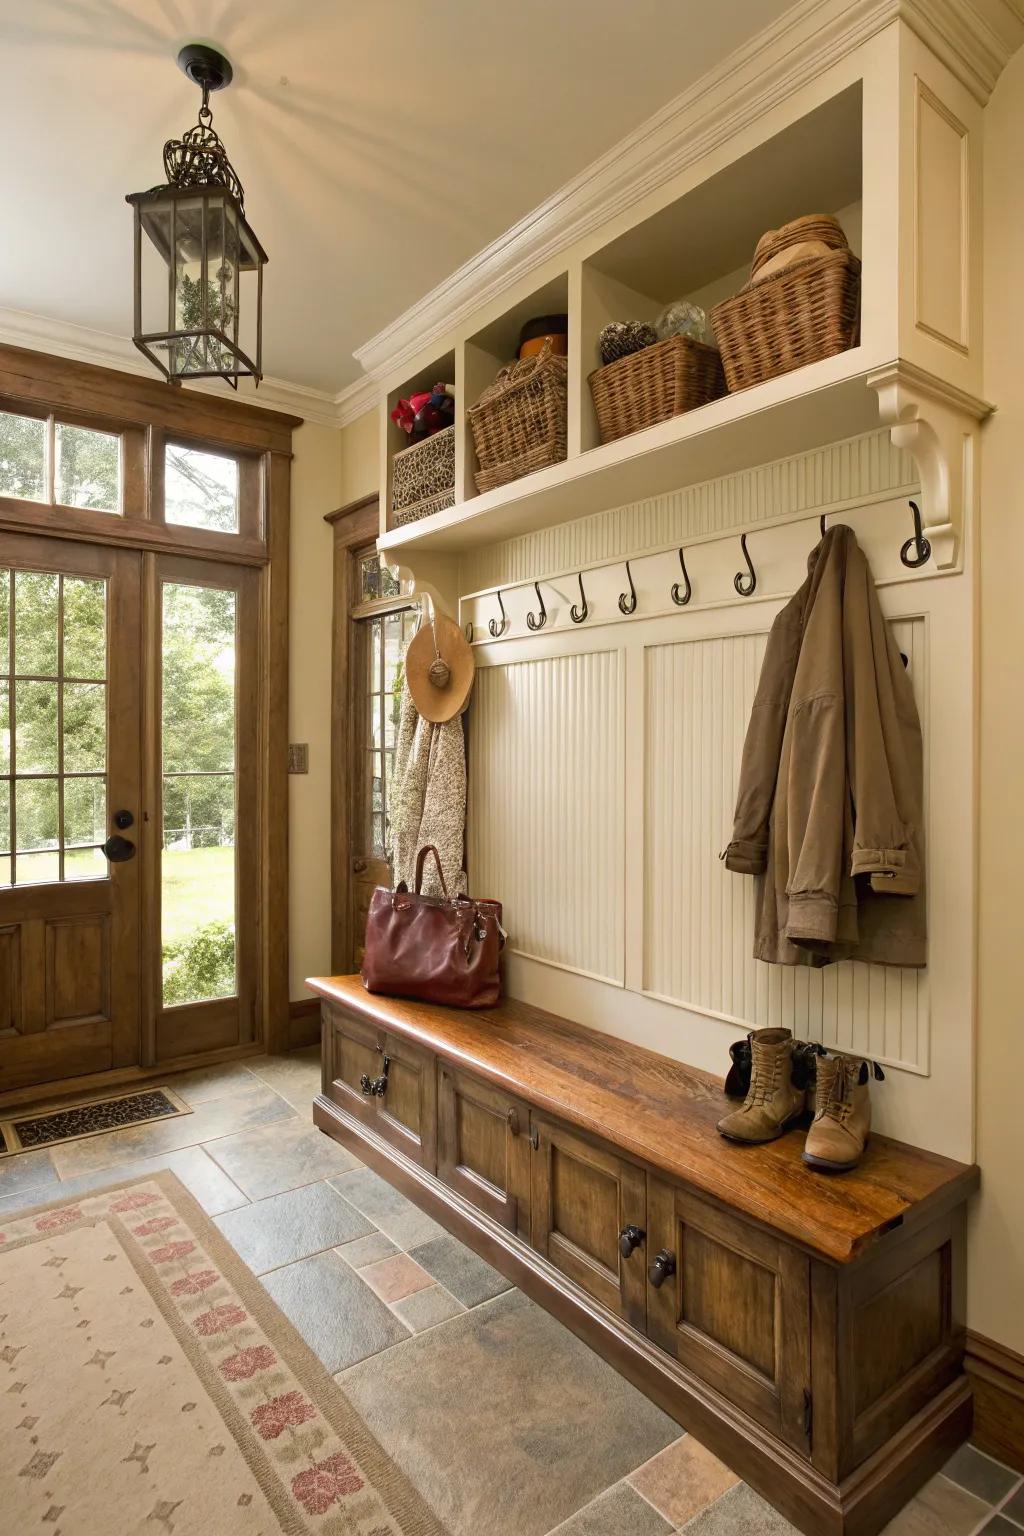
x: 439, y: 950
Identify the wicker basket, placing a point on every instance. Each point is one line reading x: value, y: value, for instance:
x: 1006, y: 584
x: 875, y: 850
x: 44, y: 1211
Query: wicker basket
x: 439, y: 502
x: 801, y: 314
x: 426, y: 469
x: 813, y: 226
x: 518, y: 423
x: 653, y: 384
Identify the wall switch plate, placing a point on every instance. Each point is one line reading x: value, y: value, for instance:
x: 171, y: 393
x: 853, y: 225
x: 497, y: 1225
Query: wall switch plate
x: 298, y: 757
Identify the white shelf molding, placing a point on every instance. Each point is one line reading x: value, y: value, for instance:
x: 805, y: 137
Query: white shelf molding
x: 937, y: 424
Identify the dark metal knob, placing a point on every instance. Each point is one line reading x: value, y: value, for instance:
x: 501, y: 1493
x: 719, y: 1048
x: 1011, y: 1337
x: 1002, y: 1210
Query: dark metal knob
x: 118, y: 849
x: 629, y: 1238
x: 663, y: 1266
x: 123, y: 820
x: 366, y: 1083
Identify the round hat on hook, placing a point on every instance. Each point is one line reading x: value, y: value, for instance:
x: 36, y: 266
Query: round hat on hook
x: 440, y: 668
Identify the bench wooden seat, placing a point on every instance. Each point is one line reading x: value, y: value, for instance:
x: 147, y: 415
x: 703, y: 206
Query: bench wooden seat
x: 807, y: 1327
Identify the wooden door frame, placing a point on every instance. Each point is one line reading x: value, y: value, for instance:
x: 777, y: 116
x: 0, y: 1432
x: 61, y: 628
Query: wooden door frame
x: 355, y: 527
x: 148, y: 411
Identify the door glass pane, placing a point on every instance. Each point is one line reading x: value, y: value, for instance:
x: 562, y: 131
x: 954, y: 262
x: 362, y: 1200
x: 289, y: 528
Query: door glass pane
x: 87, y: 468
x: 22, y: 457
x: 198, y: 732
x: 85, y: 628
x: 35, y: 730
x: 37, y: 815
x: 36, y: 598
x: 52, y: 730
x: 85, y: 727
x: 200, y: 489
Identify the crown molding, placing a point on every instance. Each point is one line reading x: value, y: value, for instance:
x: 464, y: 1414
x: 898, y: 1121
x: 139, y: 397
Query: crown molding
x: 19, y: 328
x: 974, y: 38
x: 355, y: 400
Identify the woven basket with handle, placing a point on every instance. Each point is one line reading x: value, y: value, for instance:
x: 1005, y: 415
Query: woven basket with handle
x: 518, y: 423
x: 673, y: 376
x: 801, y: 314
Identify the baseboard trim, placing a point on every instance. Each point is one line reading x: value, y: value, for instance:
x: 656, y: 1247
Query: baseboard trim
x: 303, y: 1023
x: 997, y: 1376
x: 860, y: 1506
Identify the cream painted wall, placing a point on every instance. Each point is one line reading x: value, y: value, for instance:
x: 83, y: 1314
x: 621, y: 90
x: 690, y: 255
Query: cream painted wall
x: 316, y: 489
x: 996, y: 1252
x: 360, y: 457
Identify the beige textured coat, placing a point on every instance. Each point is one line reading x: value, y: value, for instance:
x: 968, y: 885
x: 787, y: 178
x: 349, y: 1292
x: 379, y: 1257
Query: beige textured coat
x: 428, y: 798
x: 829, y: 807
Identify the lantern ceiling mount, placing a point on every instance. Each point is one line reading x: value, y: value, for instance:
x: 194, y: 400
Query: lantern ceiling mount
x: 196, y: 223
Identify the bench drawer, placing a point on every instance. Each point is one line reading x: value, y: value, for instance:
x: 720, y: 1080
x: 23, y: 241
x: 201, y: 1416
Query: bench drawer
x: 407, y: 1110
x: 356, y: 1051
x: 583, y: 1198
x: 483, y: 1146
x: 734, y: 1308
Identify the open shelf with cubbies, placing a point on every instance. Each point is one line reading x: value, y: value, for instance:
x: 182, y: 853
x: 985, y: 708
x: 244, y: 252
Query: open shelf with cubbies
x: 827, y: 149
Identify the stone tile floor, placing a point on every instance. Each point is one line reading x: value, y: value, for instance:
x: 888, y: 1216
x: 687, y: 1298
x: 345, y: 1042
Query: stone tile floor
x: 504, y: 1420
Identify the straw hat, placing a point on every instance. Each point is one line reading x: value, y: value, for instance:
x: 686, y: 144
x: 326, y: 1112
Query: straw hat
x: 440, y: 668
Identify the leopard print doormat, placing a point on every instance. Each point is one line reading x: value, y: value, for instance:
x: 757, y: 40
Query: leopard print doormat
x: 70, y: 1122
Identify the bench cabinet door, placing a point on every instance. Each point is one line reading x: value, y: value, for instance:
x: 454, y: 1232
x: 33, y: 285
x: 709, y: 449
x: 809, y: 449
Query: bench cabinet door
x: 483, y: 1146
x: 407, y: 1109
x: 356, y: 1058
x: 584, y: 1197
x: 731, y: 1302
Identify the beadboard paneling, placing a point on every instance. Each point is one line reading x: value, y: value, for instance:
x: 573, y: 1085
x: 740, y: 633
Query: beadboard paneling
x: 699, y: 917
x: 546, y: 805
x: 857, y: 469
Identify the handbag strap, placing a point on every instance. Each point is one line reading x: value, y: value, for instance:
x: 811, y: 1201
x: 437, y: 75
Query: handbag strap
x: 421, y: 859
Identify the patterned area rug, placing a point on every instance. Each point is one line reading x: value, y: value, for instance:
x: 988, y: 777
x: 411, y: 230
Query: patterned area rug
x: 148, y: 1384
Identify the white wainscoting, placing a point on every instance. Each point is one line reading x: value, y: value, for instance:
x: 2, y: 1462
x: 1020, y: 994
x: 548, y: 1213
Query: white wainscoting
x: 699, y: 917
x: 603, y: 765
x: 546, y: 806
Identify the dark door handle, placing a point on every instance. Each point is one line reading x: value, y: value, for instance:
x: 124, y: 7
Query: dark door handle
x: 123, y: 820
x: 118, y: 849
x: 629, y: 1238
x: 663, y: 1266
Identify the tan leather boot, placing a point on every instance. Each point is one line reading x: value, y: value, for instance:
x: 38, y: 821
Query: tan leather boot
x: 842, y: 1115
x: 773, y: 1101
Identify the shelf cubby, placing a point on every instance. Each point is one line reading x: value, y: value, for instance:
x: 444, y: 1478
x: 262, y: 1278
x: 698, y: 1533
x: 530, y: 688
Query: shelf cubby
x: 441, y: 370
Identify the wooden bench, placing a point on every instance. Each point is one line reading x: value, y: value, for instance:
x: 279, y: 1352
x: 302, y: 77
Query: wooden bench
x: 808, y: 1328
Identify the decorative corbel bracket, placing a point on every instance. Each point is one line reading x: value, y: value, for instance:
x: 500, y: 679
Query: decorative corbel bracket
x: 429, y: 574
x: 937, y: 424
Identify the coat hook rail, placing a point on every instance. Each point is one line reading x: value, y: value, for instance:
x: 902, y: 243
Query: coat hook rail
x: 627, y: 600
x: 918, y: 543
x: 495, y: 627
x: 579, y: 611
x: 537, y: 620
x: 745, y: 584
x: 681, y: 594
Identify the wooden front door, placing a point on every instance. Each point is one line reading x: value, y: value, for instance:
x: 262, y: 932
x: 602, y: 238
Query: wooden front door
x: 70, y: 753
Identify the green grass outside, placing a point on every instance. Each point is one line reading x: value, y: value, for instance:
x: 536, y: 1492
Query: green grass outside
x: 198, y: 888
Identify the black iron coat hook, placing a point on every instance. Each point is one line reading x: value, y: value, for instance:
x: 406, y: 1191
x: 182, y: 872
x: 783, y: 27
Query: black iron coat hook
x: 627, y: 600
x: 745, y: 585
x: 681, y: 595
x: 537, y: 621
x: 493, y: 625
x: 821, y: 524
x: 578, y: 612
x: 918, y: 543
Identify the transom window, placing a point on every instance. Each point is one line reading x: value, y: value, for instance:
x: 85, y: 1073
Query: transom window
x: 53, y: 727
x: 45, y: 459
x: 200, y: 488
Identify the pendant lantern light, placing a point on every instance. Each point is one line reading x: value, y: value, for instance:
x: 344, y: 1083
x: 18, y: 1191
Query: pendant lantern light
x: 194, y: 317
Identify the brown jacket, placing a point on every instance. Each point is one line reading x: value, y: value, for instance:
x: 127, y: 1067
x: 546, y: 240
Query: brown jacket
x: 829, y: 806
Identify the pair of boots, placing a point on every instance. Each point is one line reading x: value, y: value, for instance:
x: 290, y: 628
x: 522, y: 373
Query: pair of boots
x: 788, y: 1077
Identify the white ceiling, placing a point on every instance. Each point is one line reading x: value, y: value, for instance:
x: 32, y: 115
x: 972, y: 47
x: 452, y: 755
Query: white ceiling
x: 381, y: 143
